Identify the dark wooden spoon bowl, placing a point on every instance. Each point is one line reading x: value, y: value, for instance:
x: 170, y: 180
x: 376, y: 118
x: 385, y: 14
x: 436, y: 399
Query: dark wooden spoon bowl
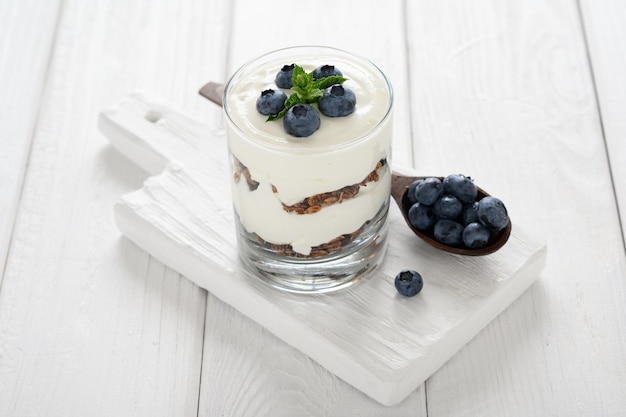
x: 399, y: 186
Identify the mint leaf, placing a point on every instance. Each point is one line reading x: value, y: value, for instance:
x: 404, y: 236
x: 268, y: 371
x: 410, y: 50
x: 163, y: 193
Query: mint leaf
x: 301, y: 80
x: 313, y: 95
x: 324, y: 83
x: 303, y: 85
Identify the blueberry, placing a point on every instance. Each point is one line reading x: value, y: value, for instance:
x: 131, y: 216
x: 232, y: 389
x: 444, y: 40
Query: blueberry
x: 410, y: 193
x: 449, y: 232
x: 337, y: 101
x: 428, y: 191
x: 476, y: 235
x: 324, y: 71
x: 421, y: 216
x: 409, y: 283
x: 448, y: 207
x: 461, y: 187
x: 284, y: 76
x: 301, y: 120
x: 271, y: 102
x: 470, y: 213
x: 492, y: 213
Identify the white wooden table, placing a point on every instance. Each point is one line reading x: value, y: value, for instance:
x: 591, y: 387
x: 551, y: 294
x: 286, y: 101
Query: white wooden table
x: 527, y: 97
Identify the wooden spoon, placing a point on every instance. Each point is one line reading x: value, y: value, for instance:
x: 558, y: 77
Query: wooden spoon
x: 399, y: 186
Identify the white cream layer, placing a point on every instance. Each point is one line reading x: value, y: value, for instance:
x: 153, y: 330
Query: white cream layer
x: 262, y: 213
x: 342, y: 152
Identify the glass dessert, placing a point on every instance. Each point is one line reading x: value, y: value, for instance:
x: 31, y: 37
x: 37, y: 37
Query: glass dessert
x: 310, y: 188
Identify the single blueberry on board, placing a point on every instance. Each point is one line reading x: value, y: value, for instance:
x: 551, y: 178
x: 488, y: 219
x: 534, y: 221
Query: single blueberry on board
x: 271, y: 102
x: 429, y: 191
x: 461, y: 187
x: 448, y: 207
x: 476, y: 235
x: 492, y: 213
x: 324, y: 71
x: 284, y: 76
x: 337, y: 101
x: 449, y: 232
x: 421, y: 216
x: 301, y: 120
x: 409, y: 283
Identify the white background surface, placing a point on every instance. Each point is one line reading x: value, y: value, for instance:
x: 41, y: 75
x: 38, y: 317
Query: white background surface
x: 526, y: 97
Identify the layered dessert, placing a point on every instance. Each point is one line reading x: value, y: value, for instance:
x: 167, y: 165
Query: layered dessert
x: 313, y: 195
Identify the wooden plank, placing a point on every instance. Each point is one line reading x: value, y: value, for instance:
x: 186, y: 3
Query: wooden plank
x: 506, y: 96
x: 26, y: 33
x: 606, y: 39
x: 260, y: 375
x: 89, y: 323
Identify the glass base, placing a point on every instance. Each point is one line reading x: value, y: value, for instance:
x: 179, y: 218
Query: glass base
x: 337, y: 270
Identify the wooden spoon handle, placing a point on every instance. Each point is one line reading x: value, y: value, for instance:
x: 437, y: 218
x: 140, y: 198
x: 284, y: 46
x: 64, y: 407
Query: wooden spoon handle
x: 213, y: 91
x: 399, y: 184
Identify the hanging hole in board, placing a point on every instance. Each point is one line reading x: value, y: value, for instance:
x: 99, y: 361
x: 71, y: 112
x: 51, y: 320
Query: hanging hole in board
x: 153, y: 116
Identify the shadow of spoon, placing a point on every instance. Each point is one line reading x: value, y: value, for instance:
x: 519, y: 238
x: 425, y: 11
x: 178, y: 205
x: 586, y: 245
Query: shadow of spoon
x: 399, y: 185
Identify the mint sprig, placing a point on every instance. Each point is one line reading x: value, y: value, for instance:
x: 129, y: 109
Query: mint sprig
x: 306, y: 90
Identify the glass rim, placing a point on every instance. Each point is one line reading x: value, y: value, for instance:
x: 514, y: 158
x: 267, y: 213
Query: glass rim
x: 360, y: 59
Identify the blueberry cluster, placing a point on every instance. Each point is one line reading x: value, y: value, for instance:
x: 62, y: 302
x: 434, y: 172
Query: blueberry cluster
x: 450, y: 211
x: 300, y: 117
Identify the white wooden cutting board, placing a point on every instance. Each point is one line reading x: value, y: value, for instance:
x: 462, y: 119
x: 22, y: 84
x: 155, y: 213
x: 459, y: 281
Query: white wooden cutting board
x: 382, y: 343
